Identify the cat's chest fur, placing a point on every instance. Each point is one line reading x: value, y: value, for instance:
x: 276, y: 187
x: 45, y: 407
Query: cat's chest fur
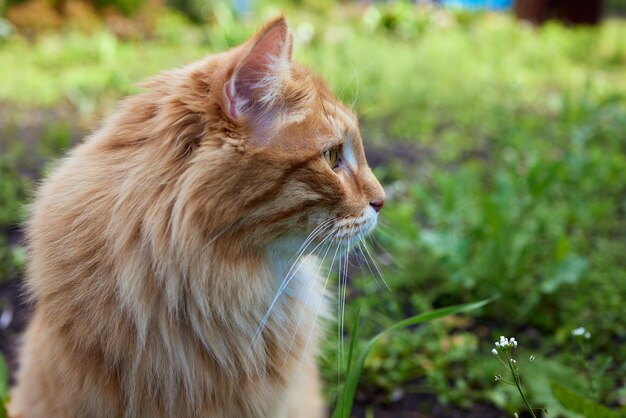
x: 266, y: 358
x: 250, y: 359
x: 299, y: 284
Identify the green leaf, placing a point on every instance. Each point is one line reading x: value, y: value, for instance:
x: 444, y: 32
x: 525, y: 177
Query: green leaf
x: 4, y: 380
x: 355, y: 332
x: 4, y: 387
x: 579, y: 404
x: 567, y: 272
x: 353, y: 340
x: 442, y: 244
x: 346, y: 399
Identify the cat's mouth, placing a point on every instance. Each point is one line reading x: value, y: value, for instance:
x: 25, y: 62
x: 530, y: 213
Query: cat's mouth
x: 348, y: 231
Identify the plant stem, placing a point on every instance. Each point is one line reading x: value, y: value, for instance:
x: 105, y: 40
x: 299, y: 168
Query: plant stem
x: 518, y: 383
x: 584, y: 363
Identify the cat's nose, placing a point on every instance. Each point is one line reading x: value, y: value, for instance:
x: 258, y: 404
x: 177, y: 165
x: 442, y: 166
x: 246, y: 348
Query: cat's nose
x: 378, y: 204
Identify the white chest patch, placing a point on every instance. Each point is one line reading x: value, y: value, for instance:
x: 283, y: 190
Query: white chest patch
x: 305, y: 283
x: 299, y: 281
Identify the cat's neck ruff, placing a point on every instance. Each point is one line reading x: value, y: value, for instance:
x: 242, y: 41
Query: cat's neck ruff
x: 296, y: 270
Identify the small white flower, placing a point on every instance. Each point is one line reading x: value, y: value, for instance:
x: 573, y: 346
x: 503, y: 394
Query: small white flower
x: 587, y: 335
x: 513, y: 361
x: 498, y: 377
x: 578, y: 331
x: 531, y: 358
x: 505, y: 343
x: 495, y: 352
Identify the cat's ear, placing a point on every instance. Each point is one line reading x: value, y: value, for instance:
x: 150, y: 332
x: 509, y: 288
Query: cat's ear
x: 257, y: 78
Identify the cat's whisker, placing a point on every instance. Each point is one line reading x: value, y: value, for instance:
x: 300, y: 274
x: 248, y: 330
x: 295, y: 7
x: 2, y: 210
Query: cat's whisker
x: 299, y: 256
x: 359, y: 255
x: 367, y: 263
x: 305, y: 304
x: 223, y: 231
x: 316, y: 232
x: 384, y: 224
x: 356, y: 74
x: 380, y: 274
x: 383, y: 228
x: 375, y: 241
x: 345, y: 286
x: 338, y: 320
x: 386, y: 234
x: 291, y: 272
x: 285, y: 282
x: 378, y: 244
x: 357, y: 89
x: 319, y: 305
x: 319, y: 230
x: 339, y: 335
x: 341, y: 289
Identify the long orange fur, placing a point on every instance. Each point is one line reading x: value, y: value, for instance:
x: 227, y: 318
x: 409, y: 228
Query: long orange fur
x: 158, y: 245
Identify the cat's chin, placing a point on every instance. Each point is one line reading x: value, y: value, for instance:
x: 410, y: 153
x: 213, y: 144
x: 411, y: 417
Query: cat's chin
x: 350, y: 230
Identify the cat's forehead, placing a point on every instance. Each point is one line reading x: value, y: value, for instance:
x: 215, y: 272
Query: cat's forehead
x: 314, y: 118
x: 338, y: 118
x: 324, y: 125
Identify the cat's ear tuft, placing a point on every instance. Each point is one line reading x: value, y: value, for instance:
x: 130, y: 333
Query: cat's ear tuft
x: 258, y: 77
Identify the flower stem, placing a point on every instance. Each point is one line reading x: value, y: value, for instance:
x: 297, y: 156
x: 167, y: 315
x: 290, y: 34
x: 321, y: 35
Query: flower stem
x: 518, y: 383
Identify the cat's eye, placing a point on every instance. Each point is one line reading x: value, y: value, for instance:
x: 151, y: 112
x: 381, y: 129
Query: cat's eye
x: 331, y: 156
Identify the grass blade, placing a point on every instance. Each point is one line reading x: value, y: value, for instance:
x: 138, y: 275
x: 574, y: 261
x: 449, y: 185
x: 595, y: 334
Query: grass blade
x: 4, y: 387
x: 353, y: 340
x: 346, y: 399
x: 355, y: 331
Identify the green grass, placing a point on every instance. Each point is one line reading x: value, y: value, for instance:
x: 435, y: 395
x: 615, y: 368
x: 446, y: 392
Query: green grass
x: 4, y: 386
x: 355, y: 359
x: 518, y: 189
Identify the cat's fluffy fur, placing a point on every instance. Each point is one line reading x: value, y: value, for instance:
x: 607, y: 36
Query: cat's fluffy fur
x: 158, y: 245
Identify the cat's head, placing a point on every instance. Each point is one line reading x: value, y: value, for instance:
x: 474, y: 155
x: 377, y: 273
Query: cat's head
x: 283, y: 156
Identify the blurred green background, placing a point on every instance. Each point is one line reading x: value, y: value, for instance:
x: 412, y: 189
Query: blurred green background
x: 501, y: 145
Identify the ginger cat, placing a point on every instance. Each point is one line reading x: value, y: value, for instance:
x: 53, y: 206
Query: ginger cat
x: 161, y: 248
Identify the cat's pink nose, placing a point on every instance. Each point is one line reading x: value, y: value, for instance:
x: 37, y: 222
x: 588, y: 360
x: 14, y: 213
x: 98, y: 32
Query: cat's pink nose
x: 378, y: 204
